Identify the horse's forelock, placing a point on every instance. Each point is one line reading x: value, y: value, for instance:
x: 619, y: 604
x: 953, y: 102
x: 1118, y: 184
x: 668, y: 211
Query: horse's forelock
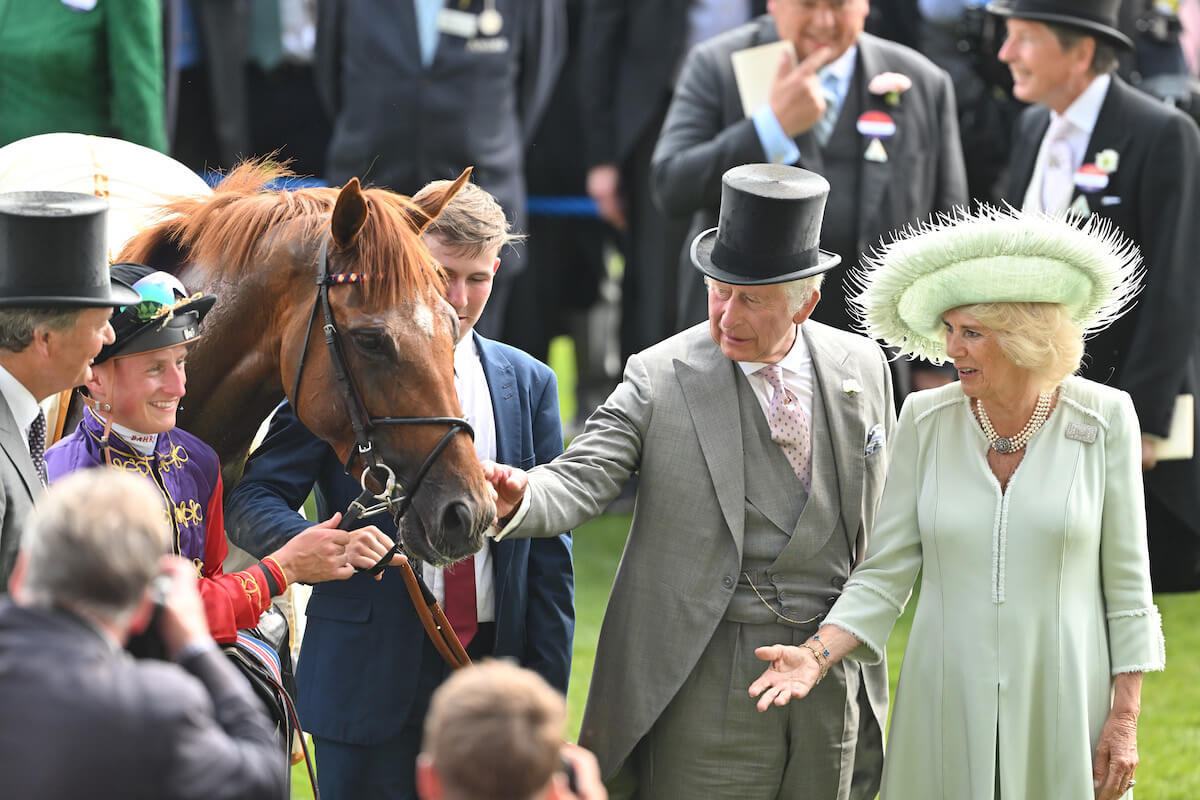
x: 221, y: 233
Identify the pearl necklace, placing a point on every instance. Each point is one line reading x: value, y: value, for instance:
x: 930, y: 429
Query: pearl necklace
x: 1005, y: 444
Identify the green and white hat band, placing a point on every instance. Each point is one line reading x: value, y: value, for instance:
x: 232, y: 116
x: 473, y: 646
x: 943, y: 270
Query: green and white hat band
x: 993, y: 256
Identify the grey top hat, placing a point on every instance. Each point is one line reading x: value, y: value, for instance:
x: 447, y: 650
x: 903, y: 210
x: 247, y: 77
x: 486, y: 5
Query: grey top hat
x: 1097, y: 17
x: 770, y: 227
x: 53, y: 252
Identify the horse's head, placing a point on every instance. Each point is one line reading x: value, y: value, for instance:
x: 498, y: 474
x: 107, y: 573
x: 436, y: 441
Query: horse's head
x: 257, y: 249
x: 396, y: 335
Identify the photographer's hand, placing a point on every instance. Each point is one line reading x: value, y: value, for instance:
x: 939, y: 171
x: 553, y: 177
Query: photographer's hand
x: 588, y: 785
x: 182, y: 621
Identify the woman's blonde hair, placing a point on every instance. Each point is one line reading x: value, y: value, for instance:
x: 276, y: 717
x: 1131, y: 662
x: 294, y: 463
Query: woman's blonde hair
x: 1039, y: 337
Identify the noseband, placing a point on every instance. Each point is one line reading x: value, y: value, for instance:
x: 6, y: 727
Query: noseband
x: 395, y: 498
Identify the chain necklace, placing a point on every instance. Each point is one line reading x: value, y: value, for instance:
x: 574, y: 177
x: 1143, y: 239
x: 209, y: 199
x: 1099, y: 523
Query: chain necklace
x: 1006, y: 444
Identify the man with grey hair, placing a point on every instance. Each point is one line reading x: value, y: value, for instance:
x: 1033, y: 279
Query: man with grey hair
x: 55, y: 299
x: 83, y: 719
x: 759, y: 438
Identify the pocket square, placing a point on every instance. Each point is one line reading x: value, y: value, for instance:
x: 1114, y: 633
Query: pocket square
x: 1110, y: 200
x: 876, y: 438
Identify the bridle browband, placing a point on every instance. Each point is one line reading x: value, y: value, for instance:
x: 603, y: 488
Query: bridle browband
x: 394, y: 497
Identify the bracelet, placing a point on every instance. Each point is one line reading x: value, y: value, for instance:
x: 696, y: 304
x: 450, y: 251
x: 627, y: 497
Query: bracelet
x: 824, y: 650
x: 822, y: 662
x: 281, y: 572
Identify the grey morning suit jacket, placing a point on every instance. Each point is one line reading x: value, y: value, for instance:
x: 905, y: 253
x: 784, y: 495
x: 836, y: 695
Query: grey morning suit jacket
x: 674, y: 419
x: 19, y: 485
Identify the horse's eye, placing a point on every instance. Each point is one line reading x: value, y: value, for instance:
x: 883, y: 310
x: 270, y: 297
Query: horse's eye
x: 369, y: 341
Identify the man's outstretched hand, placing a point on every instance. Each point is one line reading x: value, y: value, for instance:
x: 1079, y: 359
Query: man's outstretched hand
x: 509, y: 484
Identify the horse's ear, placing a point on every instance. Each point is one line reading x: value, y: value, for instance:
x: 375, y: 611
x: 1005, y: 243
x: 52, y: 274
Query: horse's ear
x: 349, y: 214
x: 427, y: 206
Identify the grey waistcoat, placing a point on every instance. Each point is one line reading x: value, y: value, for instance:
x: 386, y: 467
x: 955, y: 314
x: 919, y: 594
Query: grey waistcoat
x: 795, y: 548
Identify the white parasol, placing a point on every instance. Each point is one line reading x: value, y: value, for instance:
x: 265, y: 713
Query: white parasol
x: 136, y: 181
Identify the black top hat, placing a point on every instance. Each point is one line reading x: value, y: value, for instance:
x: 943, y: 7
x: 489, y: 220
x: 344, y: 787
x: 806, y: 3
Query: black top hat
x: 1098, y: 17
x: 53, y: 251
x: 148, y: 324
x: 769, y: 229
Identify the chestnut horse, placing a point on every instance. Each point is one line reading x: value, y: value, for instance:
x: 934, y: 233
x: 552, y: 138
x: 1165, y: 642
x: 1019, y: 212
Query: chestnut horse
x: 261, y: 253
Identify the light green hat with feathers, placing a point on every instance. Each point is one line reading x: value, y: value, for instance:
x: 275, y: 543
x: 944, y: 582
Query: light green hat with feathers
x: 992, y: 256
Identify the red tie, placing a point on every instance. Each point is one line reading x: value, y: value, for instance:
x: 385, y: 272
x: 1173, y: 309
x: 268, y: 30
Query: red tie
x: 460, y: 599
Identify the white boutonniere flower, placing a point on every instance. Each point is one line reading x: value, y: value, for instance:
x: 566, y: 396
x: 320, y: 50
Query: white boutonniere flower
x: 890, y: 85
x: 1108, y: 160
x: 851, y: 387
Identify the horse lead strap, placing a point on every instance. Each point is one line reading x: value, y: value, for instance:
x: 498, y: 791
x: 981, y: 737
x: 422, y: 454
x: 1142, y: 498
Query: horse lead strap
x: 433, y: 619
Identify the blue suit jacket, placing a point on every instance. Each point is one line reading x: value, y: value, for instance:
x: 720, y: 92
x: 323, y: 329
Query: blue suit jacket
x: 365, y: 669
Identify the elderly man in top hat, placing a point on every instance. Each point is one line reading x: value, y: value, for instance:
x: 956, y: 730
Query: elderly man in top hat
x: 760, y: 439
x: 56, y: 296
x: 1094, y: 145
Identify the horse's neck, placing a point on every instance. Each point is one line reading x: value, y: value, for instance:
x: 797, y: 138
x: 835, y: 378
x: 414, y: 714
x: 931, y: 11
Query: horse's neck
x: 233, y: 378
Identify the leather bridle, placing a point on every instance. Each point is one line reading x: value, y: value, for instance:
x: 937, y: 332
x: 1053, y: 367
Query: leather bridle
x: 394, y: 498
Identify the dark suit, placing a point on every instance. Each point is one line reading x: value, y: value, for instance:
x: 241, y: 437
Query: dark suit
x: 1152, y: 351
x: 83, y: 719
x: 399, y: 124
x: 367, y: 668
x: 707, y: 133
x: 19, y: 485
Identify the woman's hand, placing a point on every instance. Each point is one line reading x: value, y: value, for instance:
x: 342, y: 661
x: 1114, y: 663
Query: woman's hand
x: 794, y: 671
x: 1116, y: 756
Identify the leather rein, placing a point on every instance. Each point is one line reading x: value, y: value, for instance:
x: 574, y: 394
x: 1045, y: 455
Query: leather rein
x: 395, y: 498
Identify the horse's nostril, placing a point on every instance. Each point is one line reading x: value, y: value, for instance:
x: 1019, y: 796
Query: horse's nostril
x: 457, y: 521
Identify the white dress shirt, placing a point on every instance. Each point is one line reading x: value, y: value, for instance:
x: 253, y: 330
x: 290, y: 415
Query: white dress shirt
x: 1081, y: 115
x: 476, y: 400
x: 21, y: 402
x: 797, y: 376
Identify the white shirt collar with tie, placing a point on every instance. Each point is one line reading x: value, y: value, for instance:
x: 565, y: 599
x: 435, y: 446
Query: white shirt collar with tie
x: 475, y: 398
x: 797, y: 375
x: 1063, y: 149
x: 789, y: 416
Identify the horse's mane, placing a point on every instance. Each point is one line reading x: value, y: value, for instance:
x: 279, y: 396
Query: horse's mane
x: 220, y: 233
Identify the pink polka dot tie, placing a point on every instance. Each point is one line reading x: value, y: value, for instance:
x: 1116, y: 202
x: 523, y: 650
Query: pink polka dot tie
x: 789, y: 425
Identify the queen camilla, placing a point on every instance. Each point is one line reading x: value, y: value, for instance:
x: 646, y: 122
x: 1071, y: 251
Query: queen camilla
x: 1017, y: 493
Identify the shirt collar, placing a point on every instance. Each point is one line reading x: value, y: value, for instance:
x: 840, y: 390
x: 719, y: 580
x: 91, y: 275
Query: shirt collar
x: 21, y: 402
x: 841, y: 69
x: 1084, y: 111
x: 465, y: 348
x: 795, y: 361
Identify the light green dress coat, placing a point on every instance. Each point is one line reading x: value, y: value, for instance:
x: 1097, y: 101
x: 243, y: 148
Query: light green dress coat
x: 1031, y: 599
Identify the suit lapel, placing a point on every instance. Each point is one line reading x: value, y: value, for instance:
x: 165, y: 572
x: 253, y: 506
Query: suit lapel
x: 1024, y: 160
x: 1112, y: 132
x: 506, y: 411
x: 708, y: 383
x: 847, y: 427
x: 17, y: 449
x: 874, y: 177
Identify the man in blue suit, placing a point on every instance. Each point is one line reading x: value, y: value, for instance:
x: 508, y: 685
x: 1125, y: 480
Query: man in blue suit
x: 367, y: 669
